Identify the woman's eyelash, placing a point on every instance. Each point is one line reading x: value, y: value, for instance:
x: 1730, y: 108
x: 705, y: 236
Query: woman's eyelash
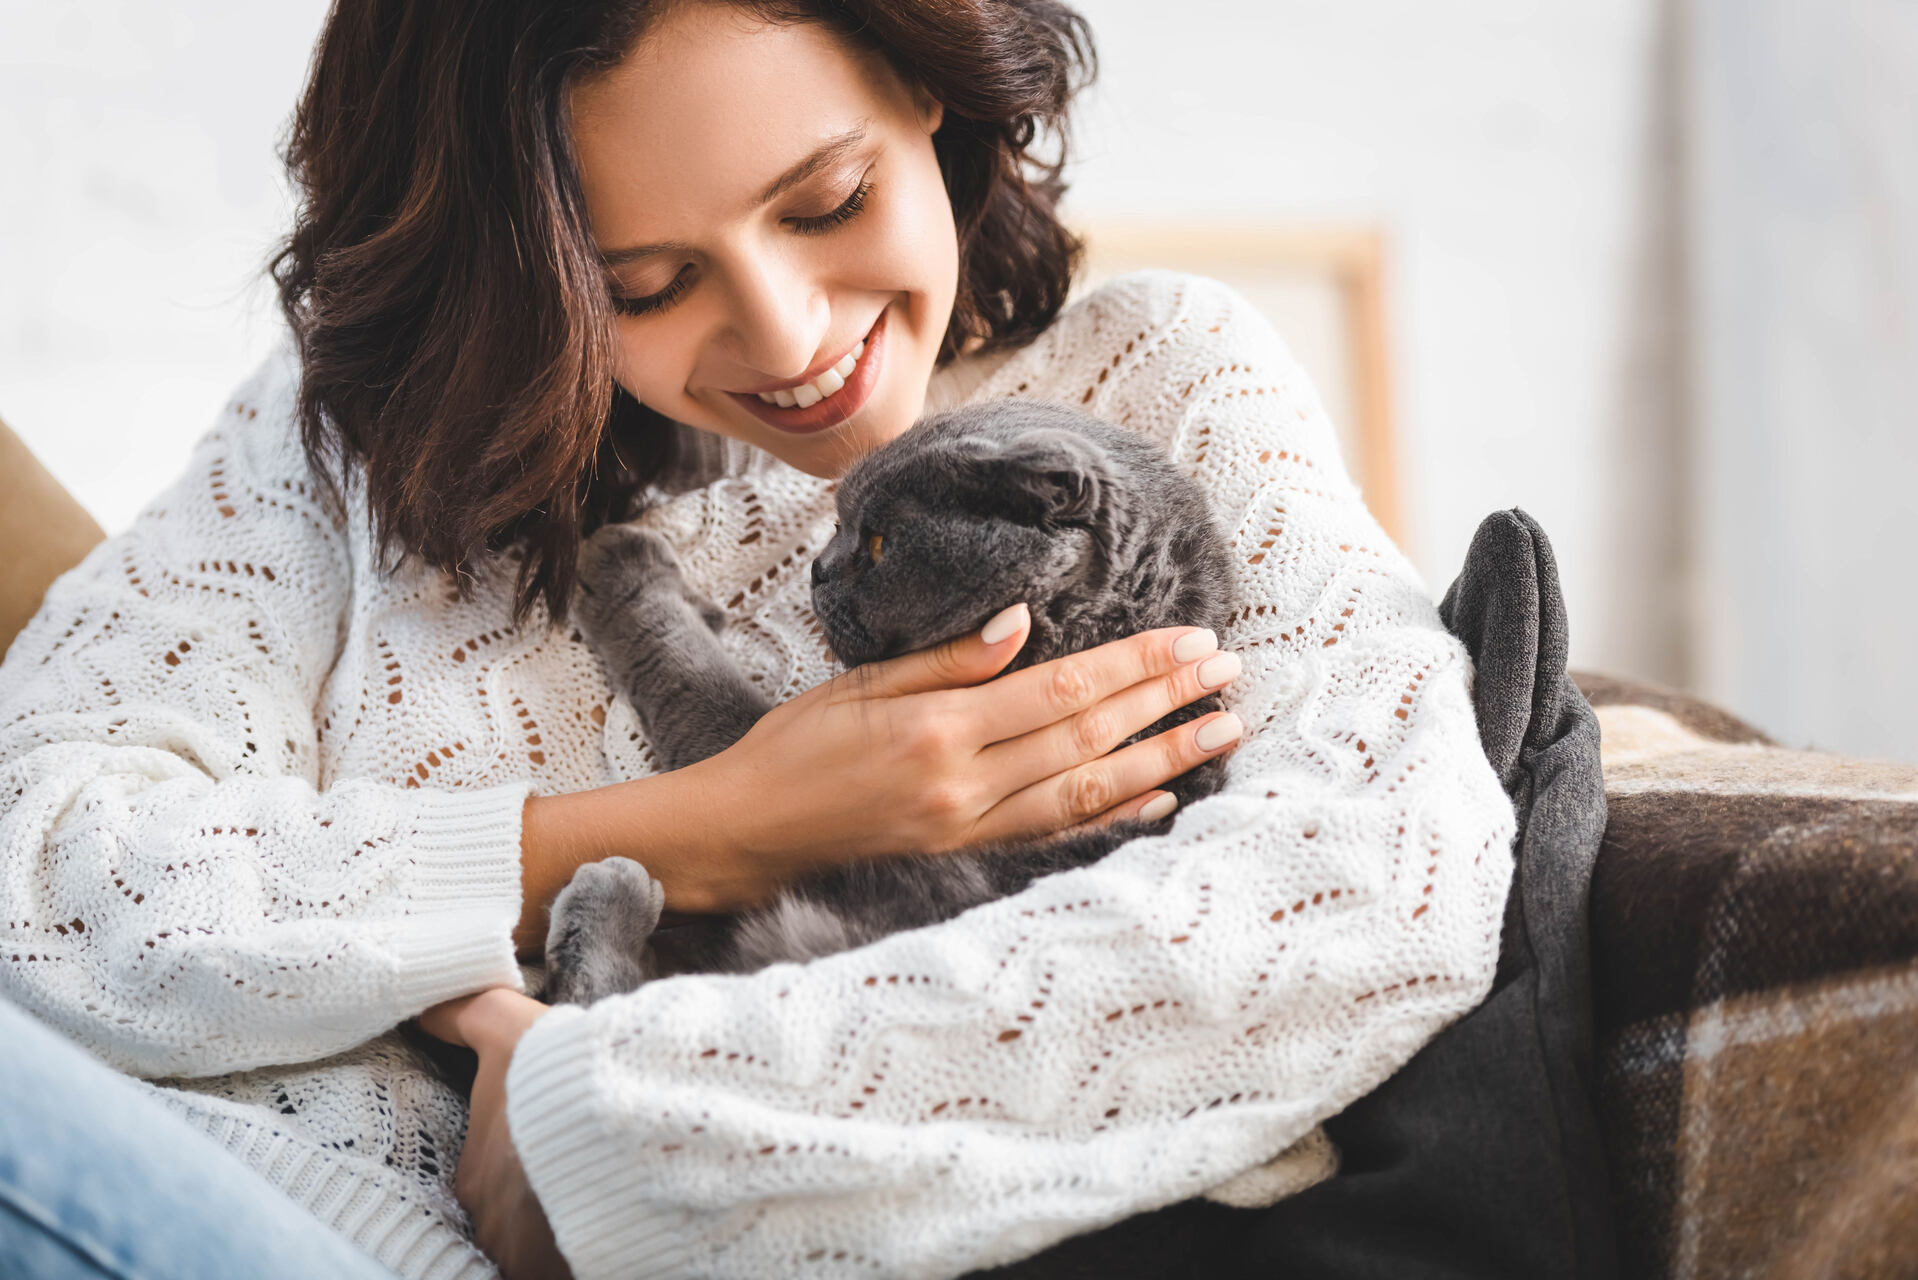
x: 652, y: 301
x: 839, y: 217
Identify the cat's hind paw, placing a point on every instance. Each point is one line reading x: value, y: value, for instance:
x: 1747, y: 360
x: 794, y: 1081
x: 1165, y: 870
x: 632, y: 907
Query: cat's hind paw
x: 602, y: 922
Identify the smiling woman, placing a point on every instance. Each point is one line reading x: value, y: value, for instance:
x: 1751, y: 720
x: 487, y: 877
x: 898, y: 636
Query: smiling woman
x: 308, y: 750
x: 728, y: 206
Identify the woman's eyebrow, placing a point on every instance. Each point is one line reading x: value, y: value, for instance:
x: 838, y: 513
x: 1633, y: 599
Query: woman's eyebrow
x: 826, y: 153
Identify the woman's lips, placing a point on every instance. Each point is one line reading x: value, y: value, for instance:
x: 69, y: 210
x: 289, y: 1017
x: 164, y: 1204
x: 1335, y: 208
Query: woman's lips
x: 838, y: 406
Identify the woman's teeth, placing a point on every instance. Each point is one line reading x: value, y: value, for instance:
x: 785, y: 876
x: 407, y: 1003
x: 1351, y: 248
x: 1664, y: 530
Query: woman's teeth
x: 808, y: 394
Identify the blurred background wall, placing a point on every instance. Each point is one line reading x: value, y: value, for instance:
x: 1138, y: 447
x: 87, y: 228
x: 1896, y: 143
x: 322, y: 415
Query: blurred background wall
x: 1652, y: 268
x: 1804, y: 256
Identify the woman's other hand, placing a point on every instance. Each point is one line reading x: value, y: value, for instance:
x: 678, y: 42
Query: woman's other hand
x: 508, y: 1223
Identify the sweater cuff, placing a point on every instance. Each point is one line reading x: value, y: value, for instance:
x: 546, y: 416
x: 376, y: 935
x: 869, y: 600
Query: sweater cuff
x: 580, y: 1171
x: 464, y: 895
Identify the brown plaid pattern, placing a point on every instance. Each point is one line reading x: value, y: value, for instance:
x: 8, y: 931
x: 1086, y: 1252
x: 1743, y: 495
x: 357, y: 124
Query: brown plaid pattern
x: 1755, y: 979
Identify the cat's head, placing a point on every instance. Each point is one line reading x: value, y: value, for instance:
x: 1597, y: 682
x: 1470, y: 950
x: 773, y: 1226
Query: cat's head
x: 967, y: 513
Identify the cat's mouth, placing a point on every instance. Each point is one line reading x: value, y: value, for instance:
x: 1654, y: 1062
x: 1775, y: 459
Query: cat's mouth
x: 845, y: 638
x: 806, y: 410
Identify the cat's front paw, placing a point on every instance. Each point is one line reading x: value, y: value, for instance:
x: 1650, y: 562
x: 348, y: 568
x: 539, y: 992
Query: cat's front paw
x: 622, y: 560
x: 602, y: 921
x: 622, y: 565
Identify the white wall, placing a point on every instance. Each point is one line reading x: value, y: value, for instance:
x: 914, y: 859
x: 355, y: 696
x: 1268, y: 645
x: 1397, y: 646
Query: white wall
x: 1509, y: 149
x: 1806, y: 227
x: 139, y: 197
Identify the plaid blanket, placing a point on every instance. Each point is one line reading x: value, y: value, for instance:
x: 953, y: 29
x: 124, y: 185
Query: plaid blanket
x: 1754, y: 921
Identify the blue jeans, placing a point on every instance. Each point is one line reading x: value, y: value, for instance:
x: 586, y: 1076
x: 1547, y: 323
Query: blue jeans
x: 99, y: 1180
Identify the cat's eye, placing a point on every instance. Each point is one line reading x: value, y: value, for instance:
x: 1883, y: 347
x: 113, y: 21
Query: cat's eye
x: 874, y: 545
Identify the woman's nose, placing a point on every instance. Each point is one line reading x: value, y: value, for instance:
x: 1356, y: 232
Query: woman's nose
x: 780, y: 316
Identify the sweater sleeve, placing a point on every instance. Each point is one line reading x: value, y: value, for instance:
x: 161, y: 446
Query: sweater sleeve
x: 179, y: 891
x: 1118, y: 1037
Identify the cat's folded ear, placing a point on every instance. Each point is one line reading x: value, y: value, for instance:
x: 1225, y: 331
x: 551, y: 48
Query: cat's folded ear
x: 1044, y: 474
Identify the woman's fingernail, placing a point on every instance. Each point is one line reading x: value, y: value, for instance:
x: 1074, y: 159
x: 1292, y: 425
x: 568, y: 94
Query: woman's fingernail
x: 1194, y: 645
x: 1158, y: 806
x: 1002, y: 624
x: 1214, y: 734
x: 1216, y: 673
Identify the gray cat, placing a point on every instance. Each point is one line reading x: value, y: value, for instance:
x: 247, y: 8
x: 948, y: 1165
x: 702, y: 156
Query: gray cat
x: 968, y: 512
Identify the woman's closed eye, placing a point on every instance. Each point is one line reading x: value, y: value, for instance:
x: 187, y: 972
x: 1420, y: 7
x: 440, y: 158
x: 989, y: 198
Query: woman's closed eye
x: 654, y: 301
x: 848, y: 209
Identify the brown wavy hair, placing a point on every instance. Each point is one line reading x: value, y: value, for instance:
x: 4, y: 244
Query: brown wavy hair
x: 454, y: 325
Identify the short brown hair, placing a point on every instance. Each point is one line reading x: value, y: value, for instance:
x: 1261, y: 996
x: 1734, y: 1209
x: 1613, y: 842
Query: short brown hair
x: 441, y: 281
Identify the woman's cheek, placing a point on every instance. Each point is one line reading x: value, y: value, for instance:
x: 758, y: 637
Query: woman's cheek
x: 913, y: 261
x: 921, y: 246
x: 645, y: 363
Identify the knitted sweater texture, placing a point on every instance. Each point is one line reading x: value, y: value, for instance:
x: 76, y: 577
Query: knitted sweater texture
x: 260, y: 801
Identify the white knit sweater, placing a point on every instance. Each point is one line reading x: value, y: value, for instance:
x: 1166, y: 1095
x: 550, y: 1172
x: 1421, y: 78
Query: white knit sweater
x: 260, y: 802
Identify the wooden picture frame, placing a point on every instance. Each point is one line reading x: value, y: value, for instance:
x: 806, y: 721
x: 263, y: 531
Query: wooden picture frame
x: 1323, y: 288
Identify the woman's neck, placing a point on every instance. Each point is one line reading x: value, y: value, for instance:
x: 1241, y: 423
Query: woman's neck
x: 954, y: 382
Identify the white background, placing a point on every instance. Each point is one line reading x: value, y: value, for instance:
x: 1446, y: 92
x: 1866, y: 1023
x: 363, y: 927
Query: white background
x: 1578, y: 278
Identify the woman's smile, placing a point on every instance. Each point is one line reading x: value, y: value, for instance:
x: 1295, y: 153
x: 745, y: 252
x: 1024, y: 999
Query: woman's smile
x: 827, y: 398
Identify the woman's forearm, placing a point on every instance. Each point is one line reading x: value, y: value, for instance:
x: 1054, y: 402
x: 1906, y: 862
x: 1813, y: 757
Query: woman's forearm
x: 666, y: 823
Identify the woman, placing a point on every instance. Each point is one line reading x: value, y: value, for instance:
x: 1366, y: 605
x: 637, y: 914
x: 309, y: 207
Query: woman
x: 302, y: 755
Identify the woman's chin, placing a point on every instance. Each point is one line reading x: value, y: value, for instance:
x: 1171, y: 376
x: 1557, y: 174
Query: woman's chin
x: 830, y: 454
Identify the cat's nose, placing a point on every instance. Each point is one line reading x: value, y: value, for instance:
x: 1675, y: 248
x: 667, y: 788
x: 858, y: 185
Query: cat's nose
x: 819, y: 571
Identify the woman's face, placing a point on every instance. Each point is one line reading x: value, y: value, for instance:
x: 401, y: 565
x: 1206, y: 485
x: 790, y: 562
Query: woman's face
x: 766, y: 199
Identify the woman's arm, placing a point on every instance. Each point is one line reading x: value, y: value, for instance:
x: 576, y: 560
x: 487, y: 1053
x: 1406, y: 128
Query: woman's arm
x: 177, y: 892
x: 1117, y: 1037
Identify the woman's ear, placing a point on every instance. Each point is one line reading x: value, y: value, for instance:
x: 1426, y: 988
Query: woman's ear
x: 932, y: 112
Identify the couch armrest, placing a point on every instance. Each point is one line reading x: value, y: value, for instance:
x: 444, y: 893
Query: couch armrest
x: 43, y: 533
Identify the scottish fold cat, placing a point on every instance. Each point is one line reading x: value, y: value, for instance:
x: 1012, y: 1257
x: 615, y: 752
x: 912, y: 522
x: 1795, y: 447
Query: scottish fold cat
x: 970, y: 511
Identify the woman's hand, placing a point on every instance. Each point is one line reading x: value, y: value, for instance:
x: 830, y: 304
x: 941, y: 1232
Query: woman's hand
x: 508, y: 1223
x: 922, y: 753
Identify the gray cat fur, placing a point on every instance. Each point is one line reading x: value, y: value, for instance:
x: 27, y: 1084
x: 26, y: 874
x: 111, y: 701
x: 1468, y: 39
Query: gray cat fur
x: 979, y: 508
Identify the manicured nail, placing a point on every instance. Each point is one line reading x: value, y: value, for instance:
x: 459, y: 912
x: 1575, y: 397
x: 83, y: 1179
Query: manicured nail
x: 1214, y: 734
x: 1158, y: 806
x: 1216, y: 673
x: 1194, y: 645
x: 1003, y: 624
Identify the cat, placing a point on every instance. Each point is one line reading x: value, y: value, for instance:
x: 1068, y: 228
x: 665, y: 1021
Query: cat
x: 970, y: 511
